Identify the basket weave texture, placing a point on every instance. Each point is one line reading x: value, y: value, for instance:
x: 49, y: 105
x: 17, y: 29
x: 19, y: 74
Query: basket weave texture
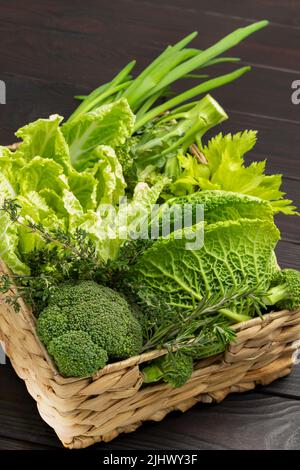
x: 99, y: 408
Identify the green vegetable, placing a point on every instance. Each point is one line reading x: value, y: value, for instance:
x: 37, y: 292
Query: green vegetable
x: 76, y: 355
x: 109, y: 175
x: 110, y: 229
x: 176, y: 62
x: 175, y: 369
x: 226, y: 170
x: 166, y: 137
x: 53, y: 194
x: 285, y: 290
x: 8, y: 233
x: 157, y: 138
x: 234, y: 252
x: 217, y: 206
x: 110, y: 125
x: 97, y: 310
x: 233, y: 316
x: 24, y: 185
x: 43, y: 138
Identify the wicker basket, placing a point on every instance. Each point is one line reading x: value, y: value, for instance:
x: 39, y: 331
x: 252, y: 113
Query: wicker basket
x: 85, y: 411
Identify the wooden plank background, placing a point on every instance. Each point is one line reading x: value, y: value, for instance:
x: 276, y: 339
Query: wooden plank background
x: 51, y: 50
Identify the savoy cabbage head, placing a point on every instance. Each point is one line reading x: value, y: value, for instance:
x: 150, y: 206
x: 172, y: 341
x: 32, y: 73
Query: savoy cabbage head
x: 235, y: 252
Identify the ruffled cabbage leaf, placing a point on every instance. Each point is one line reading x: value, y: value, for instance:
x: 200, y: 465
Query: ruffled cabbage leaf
x: 234, y: 253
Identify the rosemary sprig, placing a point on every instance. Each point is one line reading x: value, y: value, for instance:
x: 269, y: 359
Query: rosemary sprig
x: 191, y: 330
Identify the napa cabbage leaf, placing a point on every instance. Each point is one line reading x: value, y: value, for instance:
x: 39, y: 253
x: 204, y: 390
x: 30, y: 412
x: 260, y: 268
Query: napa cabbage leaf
x: 109, y: 124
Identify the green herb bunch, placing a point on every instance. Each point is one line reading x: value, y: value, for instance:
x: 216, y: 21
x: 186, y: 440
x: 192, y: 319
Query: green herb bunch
x: 65, y: 256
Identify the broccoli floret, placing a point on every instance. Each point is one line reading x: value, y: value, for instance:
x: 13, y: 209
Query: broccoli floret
x: 110, y: 324
x: 52, y: 322
x: 285, y: 290
x: 70, y: 294
x: 174, y: 368
x: 101, y: 313
x: 76, y: 355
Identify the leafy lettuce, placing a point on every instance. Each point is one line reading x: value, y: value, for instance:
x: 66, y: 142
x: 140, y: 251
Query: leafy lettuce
x: 9, y: 240
x: 41, y: 177
x: 44, y: 138
x: 110, y: 125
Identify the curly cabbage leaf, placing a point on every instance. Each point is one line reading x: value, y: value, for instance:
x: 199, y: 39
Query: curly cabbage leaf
x: 234, y: 252
x: 226, y: 205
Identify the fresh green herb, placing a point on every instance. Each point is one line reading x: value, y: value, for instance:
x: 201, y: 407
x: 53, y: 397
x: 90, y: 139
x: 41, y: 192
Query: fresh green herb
x: 64, y: 256
x: 183, y: 333
x: 176, y: 62
x: 204, y: 332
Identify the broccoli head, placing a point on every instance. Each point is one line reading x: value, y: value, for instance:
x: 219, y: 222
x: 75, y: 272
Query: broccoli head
x: 174, y: 368
x: 285, y: 290
x: 76, y: 355
x: 101, y: 313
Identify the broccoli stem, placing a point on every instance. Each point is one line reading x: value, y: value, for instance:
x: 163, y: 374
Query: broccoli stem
x: 275, y: 295
x: 152, y: 373
x: 236, y: 317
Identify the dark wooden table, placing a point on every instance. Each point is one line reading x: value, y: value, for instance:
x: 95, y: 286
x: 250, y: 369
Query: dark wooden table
x: 51, y: 50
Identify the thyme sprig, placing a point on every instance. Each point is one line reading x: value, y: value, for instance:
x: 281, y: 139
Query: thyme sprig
x: 65, y: 256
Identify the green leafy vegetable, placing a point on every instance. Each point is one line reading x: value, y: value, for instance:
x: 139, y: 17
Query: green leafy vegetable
x: 228, y: 171
x: 175, y: 62
x: 110, y: 124
x: 109, y: 175
x: 225, y: 169
x: 43, y: 138
x: 219, y: 206
x: 234, y: 252
x: 166, y: 137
